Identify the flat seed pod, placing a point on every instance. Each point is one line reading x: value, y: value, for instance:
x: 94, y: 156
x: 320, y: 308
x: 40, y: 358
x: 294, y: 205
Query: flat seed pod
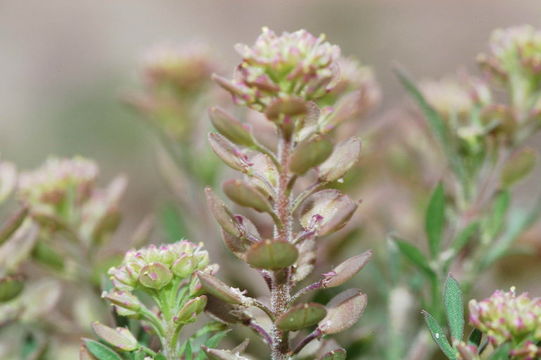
x: 219, y: 354
x: 10, y: 287
x: 219, y: 289
x: 343, y: 311
x: 286, y: 107
x: 244, y: 194
x: 230, y: 127
x: 301, y: 316
x: 228, y: 152
x: 336, y: 354
x: 309, y: 154
x: 346, y: 270
x: 121, y: 338
x: 334, y: 208
x: 272, y: 255
x: 344, y: 156
x: 222, y: 214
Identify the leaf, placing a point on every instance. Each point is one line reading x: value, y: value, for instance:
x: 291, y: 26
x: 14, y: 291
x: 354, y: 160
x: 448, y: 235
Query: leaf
x: 501, y: 353
x: 464, y: 236
x: 212, y: 342
x: 336, y: 354
x: 188, y: 351
x: 439, y: 336
x: 415, y: 256
x: 495, y: 220
x: 301, y: 316
x: 101, y: 351
x: 518, y: 167
x: 454, y: 307
x: 435, y: 220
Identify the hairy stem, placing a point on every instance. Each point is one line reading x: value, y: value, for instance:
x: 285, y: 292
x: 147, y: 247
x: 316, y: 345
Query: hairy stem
x: 280, y: 289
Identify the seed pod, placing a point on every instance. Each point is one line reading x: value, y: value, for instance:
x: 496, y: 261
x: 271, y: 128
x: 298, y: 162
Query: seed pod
x: 229, y: 153
x: 10, y: 287
x: 220, y: 310
x: 155, y: 276
x: 331, y: 207
x: 222, y: 214
x: 13, y: 224
x: 230, y: 127
x: 350, y: 106
x: 336, y: 354
x: 246, y: 195
x: 346, y: 270
x: 344, y: 156
x: 272, y: 255
x: 343, y: 311
x: 219, y: 289
x: 289, y: 107
x: 309, y: 154
x: 120, y: 338
x: 190, y: 310
x: 301, y: 316
x: 218, y: 354
x: 123, y: 299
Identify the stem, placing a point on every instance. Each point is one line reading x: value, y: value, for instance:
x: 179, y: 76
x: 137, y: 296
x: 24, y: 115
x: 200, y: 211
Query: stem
x: 280, y: 290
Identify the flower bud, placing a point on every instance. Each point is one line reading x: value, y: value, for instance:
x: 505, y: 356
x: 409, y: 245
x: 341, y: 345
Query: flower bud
x: 190, y: 310
x: 343, y: 311
x: 184, y: 266
x: 120, y: 338
x: 155, y: 276
x: 246, y: 195
x: 344, y: 156
x: 230, y: 127
x: 346, y: 270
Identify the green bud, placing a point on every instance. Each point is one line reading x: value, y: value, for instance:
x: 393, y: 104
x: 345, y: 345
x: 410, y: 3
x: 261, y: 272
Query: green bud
x: 301, y: 316
x: 230, y: 127
x: 120, y: 338
x: 272, y: 255
x: 244, y: 194
x: 344, y: 156
x: 123, y: 299
x: 155, y: 276
x: 190, y: 310
x: 10, y: 287
x: 309, y: 154
x: 343, y: 311
x: 184, y: 266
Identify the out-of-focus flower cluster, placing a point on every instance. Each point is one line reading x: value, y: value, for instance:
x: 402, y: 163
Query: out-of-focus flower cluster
x: 506, y: 317
x: 176, y: 80
x: 294, y: 64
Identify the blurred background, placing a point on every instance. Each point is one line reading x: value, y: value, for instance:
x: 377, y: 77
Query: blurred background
x: 65, y: 64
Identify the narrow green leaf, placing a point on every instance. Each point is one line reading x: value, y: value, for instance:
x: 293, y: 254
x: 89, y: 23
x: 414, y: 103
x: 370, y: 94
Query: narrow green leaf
x: 188, y: 351
x: 495, y: 221
x: 454, y: 307
x: 464, y: 236
x: 435, y: 220
x: 415, y: 256
x: 439, y: 336
x: 501, y: 353
x: 212, y: 342
x: 101, y: 351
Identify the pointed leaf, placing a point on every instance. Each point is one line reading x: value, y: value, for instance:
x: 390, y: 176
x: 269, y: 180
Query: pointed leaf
x: 435, y: 220
x: 439, y: 336
x: 415, y: 256
x: 101, y: 351
x: 454, y: 308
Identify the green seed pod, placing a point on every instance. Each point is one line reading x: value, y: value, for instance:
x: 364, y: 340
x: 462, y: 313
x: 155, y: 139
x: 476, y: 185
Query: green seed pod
x: 344, y: 156
x: 244, y: 194
x: 155, y: 276
x: 190, y: 310
x: 309, y: 154
x: 343, y: 311
x: 10, y: 287
x: 346, y: 270
x: 272, y: 255
x: 219, y: 289
x: 301, y: 316
x: 222, y: 214
x: 120, y: 338
x: 230, y: 127
x: 229, y: 153
x: 286, y: 107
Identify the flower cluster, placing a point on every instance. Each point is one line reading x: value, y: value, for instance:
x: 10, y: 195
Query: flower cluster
x: 294, y: 64
x: 504, y: 316
x: 154, y: 267
x: 57, y: 181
